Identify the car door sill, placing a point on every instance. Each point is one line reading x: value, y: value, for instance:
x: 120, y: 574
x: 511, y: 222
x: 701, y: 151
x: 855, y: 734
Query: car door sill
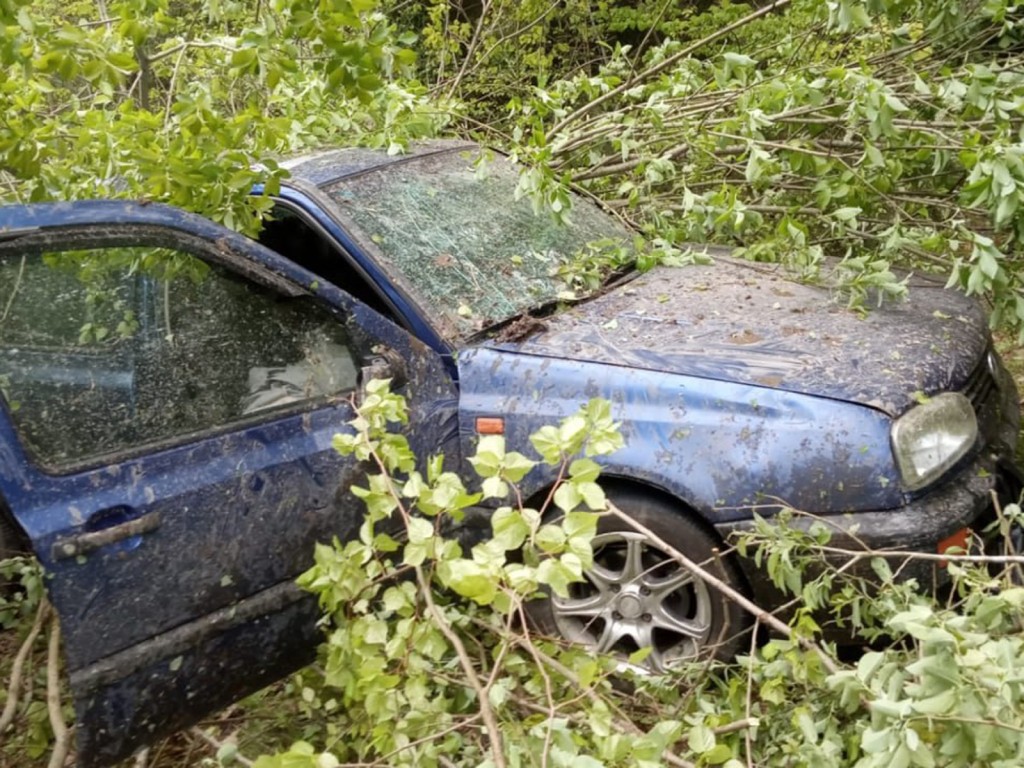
x: 182, y: 639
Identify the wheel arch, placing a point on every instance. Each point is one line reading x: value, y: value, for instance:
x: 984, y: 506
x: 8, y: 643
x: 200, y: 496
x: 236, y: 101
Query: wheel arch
x: 612, y: 482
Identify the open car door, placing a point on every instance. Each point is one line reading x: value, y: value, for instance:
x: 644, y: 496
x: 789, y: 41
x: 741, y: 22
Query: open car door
x: 169, y: 394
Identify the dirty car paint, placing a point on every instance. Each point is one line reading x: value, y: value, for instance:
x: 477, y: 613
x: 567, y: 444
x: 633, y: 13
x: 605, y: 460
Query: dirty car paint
x: 161, y: 559
x: 738, y: 321
x: 723, y: 447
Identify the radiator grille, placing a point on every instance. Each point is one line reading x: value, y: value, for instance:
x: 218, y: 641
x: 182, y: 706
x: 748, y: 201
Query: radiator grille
x: 980, y: 384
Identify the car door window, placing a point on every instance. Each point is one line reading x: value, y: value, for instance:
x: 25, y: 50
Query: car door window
x: 109, y: 351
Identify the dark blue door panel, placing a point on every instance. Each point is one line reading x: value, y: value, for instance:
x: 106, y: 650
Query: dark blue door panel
x: 223, y: 518
x: 132, y: 697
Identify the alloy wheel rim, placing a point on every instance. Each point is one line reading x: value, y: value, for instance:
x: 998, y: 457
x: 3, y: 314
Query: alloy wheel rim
x: 636, y: 596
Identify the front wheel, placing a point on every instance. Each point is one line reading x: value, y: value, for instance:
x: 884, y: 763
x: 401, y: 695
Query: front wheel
x: 637, y: 596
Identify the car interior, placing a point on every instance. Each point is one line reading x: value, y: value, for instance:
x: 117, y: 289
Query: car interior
x: 290, y: 235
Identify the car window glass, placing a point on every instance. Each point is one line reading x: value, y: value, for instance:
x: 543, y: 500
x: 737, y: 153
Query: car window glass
x: 472, y: 252
x: 287, y: 233
x: 53, y: 308
x: 112, y: 350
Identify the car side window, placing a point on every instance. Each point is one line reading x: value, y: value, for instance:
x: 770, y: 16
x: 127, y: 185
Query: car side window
x: 113, y: 350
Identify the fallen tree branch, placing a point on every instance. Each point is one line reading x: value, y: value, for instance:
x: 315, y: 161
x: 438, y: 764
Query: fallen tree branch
x: 19, y: 666
x: 759, y: 613
x: 664, y: 64
x: 61, y: 734
x: 465, y: 660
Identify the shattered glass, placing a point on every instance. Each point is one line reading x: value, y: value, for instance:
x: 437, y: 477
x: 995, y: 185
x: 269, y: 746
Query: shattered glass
x: 458, y: 239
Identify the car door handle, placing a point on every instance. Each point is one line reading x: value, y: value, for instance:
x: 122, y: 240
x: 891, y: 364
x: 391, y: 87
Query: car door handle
x: 82, y: 543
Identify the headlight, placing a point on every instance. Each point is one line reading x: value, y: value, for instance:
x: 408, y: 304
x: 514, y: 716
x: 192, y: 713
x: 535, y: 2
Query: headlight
x: 931, y: 437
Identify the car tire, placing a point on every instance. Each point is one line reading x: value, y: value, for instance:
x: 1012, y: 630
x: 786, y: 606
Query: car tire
x: 636, y: 595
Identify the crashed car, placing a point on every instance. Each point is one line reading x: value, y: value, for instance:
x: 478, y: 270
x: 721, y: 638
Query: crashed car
x: 170, y: 391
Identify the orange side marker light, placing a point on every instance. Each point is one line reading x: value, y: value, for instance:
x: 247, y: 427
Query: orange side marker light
x: 490, y: 425
x: 957, y: 539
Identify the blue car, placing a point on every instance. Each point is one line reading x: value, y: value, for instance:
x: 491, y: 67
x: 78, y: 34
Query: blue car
x: 167, y: 413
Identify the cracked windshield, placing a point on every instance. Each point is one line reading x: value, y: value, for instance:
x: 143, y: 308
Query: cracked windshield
x: 466, y: 248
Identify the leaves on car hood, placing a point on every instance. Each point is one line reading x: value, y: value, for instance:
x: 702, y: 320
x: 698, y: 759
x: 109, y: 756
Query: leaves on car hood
x: 752, y: 323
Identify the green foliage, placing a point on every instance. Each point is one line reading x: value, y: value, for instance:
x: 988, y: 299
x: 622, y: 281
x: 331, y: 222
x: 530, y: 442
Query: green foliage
x: 23, y: 589
x: 939, y: 691
x: 395, y: 646
x: 429, y: 658
x: 588, y: 270
x: 28, y: 734
x: 190, y: 103
x: 845, y: 139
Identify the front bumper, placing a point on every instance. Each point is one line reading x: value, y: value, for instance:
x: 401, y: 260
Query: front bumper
x: 965, y: 500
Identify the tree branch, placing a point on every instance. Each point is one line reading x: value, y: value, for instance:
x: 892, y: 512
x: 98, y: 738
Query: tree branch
x: 665, y: 64
x: 18, y: 667
x: 61, y: 734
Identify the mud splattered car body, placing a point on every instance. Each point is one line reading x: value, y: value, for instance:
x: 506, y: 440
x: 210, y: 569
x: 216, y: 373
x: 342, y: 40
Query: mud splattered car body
x: 165, y: 441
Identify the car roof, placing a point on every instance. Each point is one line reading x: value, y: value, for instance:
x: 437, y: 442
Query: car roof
x: 328, y: 166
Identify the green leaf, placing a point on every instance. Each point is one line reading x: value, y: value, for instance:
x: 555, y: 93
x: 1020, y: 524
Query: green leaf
x: 550, y: 538
x: 516, y: 466
x: 415, y: 554
x: 586, y: 470
x: 554, y: 574
x: 717, y: 755
x: 490, y: 451
x: 469, y: 579
x: 420, y: 530
x: 700, y: 738
x: 547, y: 443
x: 940, y: 703
x: 510, y: 529
x: 567, y: 496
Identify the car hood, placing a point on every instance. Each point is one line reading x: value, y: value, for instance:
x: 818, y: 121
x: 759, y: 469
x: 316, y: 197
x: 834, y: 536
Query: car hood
x: 746, y: 322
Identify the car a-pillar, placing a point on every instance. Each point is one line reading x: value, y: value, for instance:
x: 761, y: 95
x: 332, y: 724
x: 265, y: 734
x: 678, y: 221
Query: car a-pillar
x: 637, y: 595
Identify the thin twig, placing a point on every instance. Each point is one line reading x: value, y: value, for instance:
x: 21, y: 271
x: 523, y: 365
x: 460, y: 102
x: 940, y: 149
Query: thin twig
x: 748, y: 739
x: 485, y: 9
x: 170, y: 88
x: 727, y: 590
x: 664, y: 64
x: 552, y: 708
x: 218, y: 745
x: 465, y: 661
x: 501, y: 41
x: 930, y: 556
x: 486, y: 711
x: 14, y: 291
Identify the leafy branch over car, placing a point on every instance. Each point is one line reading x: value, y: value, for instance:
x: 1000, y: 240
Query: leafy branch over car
x: 172, y: 536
